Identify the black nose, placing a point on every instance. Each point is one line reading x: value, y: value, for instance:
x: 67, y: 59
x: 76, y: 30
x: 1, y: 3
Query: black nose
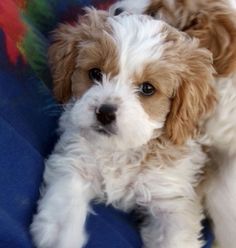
x: 106, y: 114
x: 118, y: 11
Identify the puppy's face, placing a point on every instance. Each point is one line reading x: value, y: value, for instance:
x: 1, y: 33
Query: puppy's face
x: 212, y: 21
x: 133, y: 78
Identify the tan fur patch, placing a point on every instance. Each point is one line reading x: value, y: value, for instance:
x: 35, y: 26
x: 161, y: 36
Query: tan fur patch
x: 158, y: 6
x: 212, y: 21
x: 156, y: 106
x: 183, y: 78
x: 215, y: 26
x: 80, y: 48
x: 195, y: 96
x: 162, y: 150
x: 62, y: 55
x: 98, y: 52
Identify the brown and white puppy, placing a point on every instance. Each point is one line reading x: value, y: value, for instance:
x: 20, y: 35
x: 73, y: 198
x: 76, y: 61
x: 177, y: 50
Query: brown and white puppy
x: 140, y: 90
x: 214, y: 23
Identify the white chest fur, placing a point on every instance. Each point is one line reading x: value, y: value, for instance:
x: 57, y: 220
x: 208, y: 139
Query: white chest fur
x: 128, y: 178
x: 161, y: 180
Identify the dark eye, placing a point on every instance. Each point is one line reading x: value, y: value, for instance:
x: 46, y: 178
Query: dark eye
x: 118, y: 11
x: 95, y: 74
x: 153, y: 14
x: 147, y: 89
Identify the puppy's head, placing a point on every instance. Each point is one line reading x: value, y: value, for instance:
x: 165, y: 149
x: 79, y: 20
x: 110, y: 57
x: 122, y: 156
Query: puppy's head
x: 212, y: 21
x: 133, y: 79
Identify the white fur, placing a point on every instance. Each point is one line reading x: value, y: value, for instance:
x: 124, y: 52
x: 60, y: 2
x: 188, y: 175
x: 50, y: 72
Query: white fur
x: 144, y: 45
x: 221, y: 189
x: 87, y: 165
x: 79, y: 171
x: 233, y: 3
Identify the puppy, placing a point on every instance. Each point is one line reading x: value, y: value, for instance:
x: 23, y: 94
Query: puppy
x: 139, y: 90
x: 213, y: 22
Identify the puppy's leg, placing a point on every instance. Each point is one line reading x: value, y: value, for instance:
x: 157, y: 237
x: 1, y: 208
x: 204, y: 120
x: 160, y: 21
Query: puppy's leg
x: 62, y: 211
x: 173, y: 224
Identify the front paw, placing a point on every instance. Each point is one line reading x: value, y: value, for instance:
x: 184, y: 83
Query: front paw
x: 55, y: 234
x: 165, y: 245
x: 161, y: 240
x: 45, y: 233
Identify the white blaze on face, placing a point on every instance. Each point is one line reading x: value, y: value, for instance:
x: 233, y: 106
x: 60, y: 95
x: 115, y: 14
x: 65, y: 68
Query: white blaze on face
x: 140, y: 41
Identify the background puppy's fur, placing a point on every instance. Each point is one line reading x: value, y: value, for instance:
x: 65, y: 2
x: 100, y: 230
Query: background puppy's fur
x: 214, y: 23
x: 140, y: 90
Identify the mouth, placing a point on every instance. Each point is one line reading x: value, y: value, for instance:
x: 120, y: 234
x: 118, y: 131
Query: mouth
x: 105, y: 130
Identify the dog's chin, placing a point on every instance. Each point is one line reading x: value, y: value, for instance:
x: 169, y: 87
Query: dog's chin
x: 107, y: 138
x: 99, y: 134
x: 105, y: 130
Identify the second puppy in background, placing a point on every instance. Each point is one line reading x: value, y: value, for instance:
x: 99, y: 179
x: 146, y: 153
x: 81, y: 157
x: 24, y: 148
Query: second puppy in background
x: 213, y: 22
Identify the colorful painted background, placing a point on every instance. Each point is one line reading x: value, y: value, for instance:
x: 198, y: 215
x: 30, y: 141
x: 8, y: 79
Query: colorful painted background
x: 26, y: 27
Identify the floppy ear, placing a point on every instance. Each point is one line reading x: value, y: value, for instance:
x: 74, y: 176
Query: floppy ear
x: 64, y: 50
x: 62, y: 60
x: 194, y: 99
x: 216, y: 29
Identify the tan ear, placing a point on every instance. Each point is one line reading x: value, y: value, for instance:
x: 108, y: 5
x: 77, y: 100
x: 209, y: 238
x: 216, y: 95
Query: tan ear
x: 62, y: 60
x: 216, y: 29
x: 64, y: 50
x: 194, y: 100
